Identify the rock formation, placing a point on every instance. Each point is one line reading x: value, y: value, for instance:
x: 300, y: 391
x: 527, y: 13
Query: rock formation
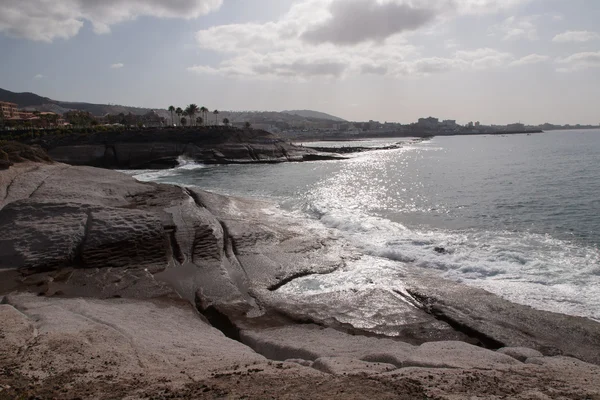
x: 161, y: 148
x: 105, y: 277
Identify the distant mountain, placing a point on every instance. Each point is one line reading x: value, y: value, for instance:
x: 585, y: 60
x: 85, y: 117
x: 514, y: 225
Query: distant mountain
x: 23, y: 99
x: 314, y: 114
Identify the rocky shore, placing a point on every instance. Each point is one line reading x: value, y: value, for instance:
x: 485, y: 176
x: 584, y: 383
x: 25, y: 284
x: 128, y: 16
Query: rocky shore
x: 161, y: 148
x: 113, y: 288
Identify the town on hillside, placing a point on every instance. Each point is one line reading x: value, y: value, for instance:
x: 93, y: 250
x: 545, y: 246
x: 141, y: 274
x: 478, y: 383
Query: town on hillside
x: 291, y: 125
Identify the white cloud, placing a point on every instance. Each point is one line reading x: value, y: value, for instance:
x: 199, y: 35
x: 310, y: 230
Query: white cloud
x: 44, y: 20
x: 339, y: 38
x: 517, y: 28
x: 117, y: 66
x: 579, y: 61
x: 530, y: 59
x: 38, y: 76
x: 576, y: 36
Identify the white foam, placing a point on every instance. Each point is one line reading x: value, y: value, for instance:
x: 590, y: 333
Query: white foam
x: 150, y: 175
x: 532, y: 269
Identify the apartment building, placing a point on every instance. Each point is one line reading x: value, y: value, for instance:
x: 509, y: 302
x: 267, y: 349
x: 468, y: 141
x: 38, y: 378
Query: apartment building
x: 8, y: 110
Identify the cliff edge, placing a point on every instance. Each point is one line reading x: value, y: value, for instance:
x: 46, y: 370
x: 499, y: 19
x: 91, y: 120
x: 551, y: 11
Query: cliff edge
x: 160, y: 148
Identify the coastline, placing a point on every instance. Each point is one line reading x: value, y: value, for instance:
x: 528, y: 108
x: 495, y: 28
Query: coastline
x: 110, y: 243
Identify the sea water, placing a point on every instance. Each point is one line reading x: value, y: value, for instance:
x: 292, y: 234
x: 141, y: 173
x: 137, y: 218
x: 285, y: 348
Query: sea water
x: 517, y: 215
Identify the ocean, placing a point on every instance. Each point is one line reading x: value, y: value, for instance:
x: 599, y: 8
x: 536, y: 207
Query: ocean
x: 517, y: 215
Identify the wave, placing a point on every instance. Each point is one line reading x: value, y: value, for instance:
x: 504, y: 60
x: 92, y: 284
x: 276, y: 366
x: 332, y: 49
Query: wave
x: 150, y: 175
x: 528, y: 268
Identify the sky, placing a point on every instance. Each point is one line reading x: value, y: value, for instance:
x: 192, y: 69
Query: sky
x: 494, y: 61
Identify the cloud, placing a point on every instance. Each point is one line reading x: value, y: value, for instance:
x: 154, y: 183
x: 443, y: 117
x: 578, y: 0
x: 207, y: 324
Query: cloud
x: 117, y: 66
x: 579, y: 61
x: 484, y: 58
x: 576, y: 36
x: 450, y: 44
x: 340, y: 38
x: 38, y: 76
x: 530, y: 59
x: 368, y: 20
x: 373, y: 69
x: 516, y: 28
x: 302, y: 68
x: 43, y: 20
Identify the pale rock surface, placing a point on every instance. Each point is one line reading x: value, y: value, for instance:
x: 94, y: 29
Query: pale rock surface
x: 62, y: 231
x: 457, y: 355
x: 502, y: 323
x: 311, y: 342
x: 118, y: 337
x: 350, y: 366
x: 520, y: 353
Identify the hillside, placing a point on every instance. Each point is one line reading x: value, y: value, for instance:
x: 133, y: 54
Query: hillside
x: 34, y: 102
x: 314, y: 114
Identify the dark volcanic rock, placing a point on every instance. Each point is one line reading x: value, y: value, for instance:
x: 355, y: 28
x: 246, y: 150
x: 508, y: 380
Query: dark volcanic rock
x: 14, y: 152
x: 161, y: 148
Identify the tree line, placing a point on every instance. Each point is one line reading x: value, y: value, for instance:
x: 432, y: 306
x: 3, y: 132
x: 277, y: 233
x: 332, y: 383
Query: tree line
x: 188, y: 115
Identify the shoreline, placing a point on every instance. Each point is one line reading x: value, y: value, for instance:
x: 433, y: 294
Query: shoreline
x: 126, y: 254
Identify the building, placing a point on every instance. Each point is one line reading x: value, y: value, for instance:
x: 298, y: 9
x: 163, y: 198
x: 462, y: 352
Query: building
x: 449, y: 123
x: 429, y: 123
x: 8, y: 110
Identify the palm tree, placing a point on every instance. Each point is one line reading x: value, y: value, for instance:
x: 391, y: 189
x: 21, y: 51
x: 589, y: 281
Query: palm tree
x: 179, y: 113
x: 192, y: 109
x: 185, y: 114
x: 172, y: 110
x: 216, y: 112
x: 199, y: 121
x: 204, y: 112
x: 226, y: 121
